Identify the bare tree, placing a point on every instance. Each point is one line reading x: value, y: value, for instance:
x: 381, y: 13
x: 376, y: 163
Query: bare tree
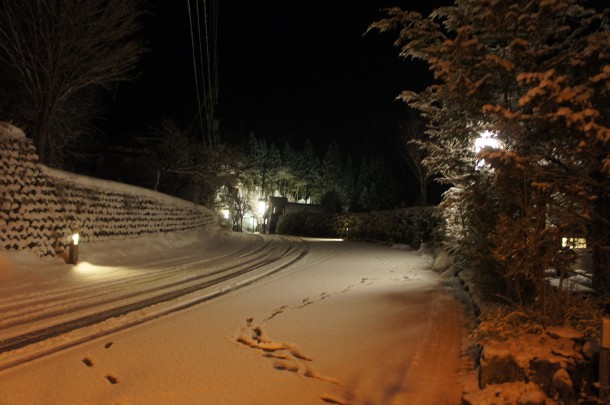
x: 173, y: 156
x: 238, y: 199
x: 55, y: 54
x: 413, y: 135
x: 182, y: 167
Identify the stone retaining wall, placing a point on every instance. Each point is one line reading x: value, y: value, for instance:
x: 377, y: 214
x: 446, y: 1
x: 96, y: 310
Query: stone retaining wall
x: 40, y: 206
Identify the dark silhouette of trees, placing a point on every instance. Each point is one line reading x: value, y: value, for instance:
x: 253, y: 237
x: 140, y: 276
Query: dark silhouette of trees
x: 299, y: 174
x: 374, y: 186
x: 55, y: 56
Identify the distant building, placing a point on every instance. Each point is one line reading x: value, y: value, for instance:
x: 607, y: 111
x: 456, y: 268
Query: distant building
x: 278, y: 206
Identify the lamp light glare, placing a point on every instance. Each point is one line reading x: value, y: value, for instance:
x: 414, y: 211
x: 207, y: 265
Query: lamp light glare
x: 262, y: 205
x: 75, y: 237
x: 487, y: 138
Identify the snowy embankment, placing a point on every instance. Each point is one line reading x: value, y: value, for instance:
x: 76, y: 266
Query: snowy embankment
x: 348, y: 323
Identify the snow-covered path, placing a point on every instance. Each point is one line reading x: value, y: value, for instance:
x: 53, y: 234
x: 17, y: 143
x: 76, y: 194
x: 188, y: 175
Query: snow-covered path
x: 89, y: 293
x: 350, y: 323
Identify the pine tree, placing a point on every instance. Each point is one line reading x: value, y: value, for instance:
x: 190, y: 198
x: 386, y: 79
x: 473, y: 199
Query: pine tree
x: 347, y: 185
x: 331, y: 177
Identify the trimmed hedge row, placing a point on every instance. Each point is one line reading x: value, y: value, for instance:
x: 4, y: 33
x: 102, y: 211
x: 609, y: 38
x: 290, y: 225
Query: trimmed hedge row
x: 411, y: 226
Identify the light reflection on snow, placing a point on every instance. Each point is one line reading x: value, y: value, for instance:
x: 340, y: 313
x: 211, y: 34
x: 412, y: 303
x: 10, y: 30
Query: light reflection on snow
x: 89, y: 269
x: 322, y: 239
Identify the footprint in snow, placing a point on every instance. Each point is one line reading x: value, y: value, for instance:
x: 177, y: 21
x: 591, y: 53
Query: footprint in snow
x: 276, y: 312
x: 107, y: 345
x: 87, y: 362
x: 330, y: 399
x: 282, y: 356
x: 286, y: 365
x: 367, y: 281
x: 112, y: 379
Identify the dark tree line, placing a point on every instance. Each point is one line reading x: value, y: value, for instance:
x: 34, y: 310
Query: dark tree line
x: 237, y: 176
x: 332, y: 180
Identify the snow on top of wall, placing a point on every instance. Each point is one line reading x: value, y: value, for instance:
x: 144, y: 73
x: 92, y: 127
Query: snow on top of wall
x: 114, y: 187
x: 10, y: 131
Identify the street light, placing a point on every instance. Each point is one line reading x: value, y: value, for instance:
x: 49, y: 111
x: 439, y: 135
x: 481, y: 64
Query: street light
x: 225, y: 216
x: 262, y: 206
x: 73, y: 249
x: 485, y: 139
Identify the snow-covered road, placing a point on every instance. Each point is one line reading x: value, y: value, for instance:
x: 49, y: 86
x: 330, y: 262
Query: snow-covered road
x: 331, y: 322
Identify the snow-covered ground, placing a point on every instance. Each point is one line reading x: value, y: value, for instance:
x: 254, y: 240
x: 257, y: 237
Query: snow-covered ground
x: 329, y: 321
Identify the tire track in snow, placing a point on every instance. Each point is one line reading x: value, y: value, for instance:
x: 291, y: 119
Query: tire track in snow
x: 160, y: 270
x: 429, y: 379
x: 60, y: 302
x: 426, y: 374
x: 285, y: 255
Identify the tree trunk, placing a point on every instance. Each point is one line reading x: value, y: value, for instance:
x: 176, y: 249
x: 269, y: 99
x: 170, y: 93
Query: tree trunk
x: 42, y: 138
x: 423, y: 192
x: 157, y: 181
x: 599, y: 238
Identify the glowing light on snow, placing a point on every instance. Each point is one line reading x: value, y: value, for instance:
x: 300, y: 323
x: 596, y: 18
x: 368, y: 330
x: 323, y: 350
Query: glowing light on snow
x: 88, y: 269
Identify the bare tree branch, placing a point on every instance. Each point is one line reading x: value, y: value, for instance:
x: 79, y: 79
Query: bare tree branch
x: 54, y: 51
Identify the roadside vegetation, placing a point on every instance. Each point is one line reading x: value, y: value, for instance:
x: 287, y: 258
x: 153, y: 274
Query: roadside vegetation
x: 518, y: 125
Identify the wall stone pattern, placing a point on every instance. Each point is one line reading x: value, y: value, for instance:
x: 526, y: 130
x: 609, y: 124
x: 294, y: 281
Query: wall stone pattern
x: 39, y: 206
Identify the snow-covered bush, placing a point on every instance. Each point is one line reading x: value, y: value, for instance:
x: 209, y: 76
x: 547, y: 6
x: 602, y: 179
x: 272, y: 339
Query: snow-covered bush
x: 515, y: 347
x: 501, y: 323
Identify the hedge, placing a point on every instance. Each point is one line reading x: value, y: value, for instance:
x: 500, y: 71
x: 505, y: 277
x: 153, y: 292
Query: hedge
x: 411, y: 226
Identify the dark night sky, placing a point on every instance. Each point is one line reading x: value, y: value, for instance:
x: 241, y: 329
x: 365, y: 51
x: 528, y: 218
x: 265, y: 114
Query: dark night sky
x: 288, y: 71
x: 303, y: 69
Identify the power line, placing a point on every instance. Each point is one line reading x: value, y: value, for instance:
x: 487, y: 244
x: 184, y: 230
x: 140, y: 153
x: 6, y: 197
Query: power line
x: 188, y: 4
x: 207, y: 97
